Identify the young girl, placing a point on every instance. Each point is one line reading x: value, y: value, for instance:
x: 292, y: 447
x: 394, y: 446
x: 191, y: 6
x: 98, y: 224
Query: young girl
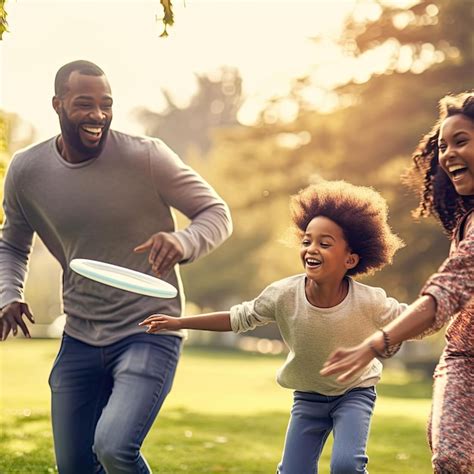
x: 444, y: 160
x: 343, y: 232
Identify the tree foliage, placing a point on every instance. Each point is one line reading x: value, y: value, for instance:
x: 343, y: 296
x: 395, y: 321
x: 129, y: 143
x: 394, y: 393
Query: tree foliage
x: 367, y: 142
x: 445, y: 25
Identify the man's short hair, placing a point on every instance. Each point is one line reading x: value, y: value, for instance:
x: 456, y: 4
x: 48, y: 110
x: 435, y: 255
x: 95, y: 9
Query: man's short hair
x: 82, y: 66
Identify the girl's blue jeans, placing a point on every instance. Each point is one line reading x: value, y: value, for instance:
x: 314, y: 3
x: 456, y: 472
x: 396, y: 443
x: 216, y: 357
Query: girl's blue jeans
x: 313, y: 417
x: 105, y: 399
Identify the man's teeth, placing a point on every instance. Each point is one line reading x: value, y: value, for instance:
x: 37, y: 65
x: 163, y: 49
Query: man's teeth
x: 95, y: 130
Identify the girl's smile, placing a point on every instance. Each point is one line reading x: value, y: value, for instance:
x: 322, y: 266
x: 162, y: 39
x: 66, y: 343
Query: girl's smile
x: 313, y: 262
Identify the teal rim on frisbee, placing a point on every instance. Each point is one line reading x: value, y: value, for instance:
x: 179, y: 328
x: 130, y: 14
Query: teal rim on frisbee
x: 123, y: 278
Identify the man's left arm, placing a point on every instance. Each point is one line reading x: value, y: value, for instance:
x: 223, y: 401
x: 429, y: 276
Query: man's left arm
x: 185, y: 190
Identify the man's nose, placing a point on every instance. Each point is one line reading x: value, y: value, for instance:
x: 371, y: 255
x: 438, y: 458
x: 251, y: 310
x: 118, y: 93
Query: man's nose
x: 97, y: 114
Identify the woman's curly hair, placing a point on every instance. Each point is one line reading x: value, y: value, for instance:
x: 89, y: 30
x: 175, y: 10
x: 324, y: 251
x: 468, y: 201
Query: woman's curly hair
x: 362, y: 215
x: 437, y: 194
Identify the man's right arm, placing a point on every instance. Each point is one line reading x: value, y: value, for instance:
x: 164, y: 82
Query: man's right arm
x: 15, y: 247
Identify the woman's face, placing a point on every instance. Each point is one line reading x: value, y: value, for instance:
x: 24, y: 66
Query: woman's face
x: 456, y: 152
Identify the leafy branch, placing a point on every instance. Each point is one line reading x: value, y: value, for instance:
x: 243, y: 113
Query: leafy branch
x: 3, y: 19
x: 168, y: 17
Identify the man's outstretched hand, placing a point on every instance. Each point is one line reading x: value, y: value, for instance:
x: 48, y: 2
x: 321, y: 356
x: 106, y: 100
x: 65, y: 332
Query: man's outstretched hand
x: 11, y: 316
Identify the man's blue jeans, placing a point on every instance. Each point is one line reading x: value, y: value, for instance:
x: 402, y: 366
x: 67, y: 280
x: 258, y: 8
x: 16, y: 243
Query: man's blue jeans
x: 105, y: 399
x: 313, y: 417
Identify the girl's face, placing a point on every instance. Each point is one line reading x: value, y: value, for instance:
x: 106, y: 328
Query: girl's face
x: 324, y: 251
x: 456, y: 152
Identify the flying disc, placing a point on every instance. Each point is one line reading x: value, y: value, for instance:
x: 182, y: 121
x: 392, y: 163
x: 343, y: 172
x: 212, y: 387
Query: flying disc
x: 123, y: 278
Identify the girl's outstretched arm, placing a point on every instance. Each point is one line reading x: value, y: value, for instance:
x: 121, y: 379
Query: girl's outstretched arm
x: 219, y: 321
x: 418, y: 317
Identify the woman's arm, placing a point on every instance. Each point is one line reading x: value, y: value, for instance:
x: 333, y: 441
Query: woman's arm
x: 414, y: 320
x: 219, y: 321
x: 444, y: 294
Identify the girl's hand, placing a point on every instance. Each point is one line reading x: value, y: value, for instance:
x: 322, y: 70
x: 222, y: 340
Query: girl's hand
x: 160, y: 322
x: 347, y: 362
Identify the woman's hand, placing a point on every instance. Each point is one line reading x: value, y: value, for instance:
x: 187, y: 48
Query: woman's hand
x: 347, y: 362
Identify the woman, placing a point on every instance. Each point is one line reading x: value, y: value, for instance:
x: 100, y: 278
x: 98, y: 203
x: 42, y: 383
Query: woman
x: 444, y: 160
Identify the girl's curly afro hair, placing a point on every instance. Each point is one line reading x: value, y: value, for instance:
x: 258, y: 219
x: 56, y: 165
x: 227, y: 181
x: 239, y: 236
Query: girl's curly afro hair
x: 361, y: 213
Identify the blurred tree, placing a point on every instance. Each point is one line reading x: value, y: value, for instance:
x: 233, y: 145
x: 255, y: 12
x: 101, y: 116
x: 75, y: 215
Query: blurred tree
x: 214, y: 105
x: 15, y: 133
x: 3, y: 152
x: 367, y: 140
x: 432, y: 54
x: 428, y: 31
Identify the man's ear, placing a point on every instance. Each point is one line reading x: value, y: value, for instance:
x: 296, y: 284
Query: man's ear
x: 352, y: 260
x: 56, y: 101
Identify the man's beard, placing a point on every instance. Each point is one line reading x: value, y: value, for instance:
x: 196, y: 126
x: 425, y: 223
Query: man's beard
x: 70, y: 133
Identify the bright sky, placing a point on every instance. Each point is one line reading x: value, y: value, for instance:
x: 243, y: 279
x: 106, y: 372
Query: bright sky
x: 267, y: 40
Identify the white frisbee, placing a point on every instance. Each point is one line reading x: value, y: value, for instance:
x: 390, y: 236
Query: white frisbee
x: 123, y: 278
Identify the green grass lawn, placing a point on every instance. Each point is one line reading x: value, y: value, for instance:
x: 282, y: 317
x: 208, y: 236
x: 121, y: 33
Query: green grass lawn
x: 225, y: 414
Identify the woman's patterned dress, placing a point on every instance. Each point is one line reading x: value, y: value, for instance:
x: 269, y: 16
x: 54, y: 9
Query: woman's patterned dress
x: 451, y: 426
